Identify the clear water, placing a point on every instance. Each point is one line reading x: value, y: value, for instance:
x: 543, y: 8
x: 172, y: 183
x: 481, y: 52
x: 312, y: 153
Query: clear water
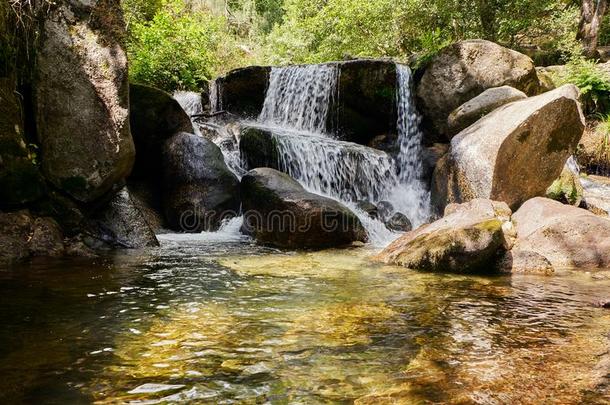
x: 225, y: 322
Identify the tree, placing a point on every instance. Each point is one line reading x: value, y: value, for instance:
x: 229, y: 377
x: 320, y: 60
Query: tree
x: 591, y: 17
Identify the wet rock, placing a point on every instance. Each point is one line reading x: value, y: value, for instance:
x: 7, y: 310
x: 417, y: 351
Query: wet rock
x: 385, y: 210
x: 369, y: 208
x: 46, y: 239
x: 155, y: 116
x: 123, y: 224
x: 464, y: 70
x: 82, y: 98
x: 146, y: 196
x: 20, y: 180
x: 242, y: 91
x: 597, y: 195
x: 566, y: 236
x: 399, y: 223
x: 513, y: 154
x: 258, y: 148
x: 23, y: 235
x: 518, y: 261
x: 199, y: 190
x: 567, y: 188
x: 468, y: 239
x: 431, y: 157
x: 475, y: 109
x: 279, y: 212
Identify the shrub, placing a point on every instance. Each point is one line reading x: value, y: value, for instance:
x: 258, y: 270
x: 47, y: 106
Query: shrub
x: 593, y: 83
x: 181, y: 48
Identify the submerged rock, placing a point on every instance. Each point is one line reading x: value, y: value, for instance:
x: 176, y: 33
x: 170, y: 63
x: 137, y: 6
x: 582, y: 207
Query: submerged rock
x: 279, y: 212
x: 475, y: 109
x: 469, y: 239
x: 82, y: 98
x: 155, y: 116
x: 20, y: 180
x: 199, y: 190
x: 566, y: 236
x: 513, y: 154
x: 464, y: 70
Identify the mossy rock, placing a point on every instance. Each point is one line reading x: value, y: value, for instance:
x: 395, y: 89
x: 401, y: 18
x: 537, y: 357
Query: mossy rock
x: 566, y: 189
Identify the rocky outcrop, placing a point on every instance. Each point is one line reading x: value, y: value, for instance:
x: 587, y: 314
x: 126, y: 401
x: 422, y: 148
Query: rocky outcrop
x: 566, y: 236
x: 123, y: 225
x: 81, y: 98
x: 242, y: 91
x: 199, y: 190
x: 513, y: 154
x: 23, y: 235
x: 20, y: 180
x: 155, y: 116
x: 279, y: 212
x: 470, y: 238
x: 475, y: 109
x: 464, y: 70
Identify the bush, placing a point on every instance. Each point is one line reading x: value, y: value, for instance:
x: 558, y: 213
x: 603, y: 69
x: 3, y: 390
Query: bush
x: 181, y: 48
x: 593, y: 83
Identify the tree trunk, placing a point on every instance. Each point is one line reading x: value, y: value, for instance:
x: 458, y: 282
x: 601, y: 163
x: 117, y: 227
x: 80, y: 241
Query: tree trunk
x: 487, y: 14
x: 591, y: 16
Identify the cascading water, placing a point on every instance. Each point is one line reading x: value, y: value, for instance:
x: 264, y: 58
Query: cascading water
x: 190, y: 102
x: 299, y: 97
x: 296, y: 111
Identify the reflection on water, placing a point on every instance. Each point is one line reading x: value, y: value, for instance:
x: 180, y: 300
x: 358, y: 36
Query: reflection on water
x: 228, y: 322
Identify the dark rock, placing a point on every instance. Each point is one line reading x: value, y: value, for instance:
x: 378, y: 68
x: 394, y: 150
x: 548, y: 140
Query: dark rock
x: 464, y: 70
x: 123, y: 225
x: 46, y: 239
x: 399, y: 223
x: 431, y: 156
x: 385, y: 210
x: 367, y: 104
x: 242, y: 91
x: 199, y: 190
x: 146, y: 196
x: 82, y: 98
x: 155, y: 116
x: 258, y: 148
x: 279, y: 212
x: 20, y: 180
x: 369, y: 208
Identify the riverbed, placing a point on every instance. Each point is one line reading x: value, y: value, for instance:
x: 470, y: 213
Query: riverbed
x: 221, y: 320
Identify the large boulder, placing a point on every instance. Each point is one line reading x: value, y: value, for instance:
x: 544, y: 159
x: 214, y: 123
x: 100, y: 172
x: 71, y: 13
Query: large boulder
x: 155, y: 116
x: 566, y: 236
x: 464, y: 70
x: 23, y: 235
x: 278, y: 211
x: 470, y: 238
x: 82, y: 98
x: 513, y: 154
x: 475, y: 109
x: 123, y: 224
x: 20, y: 180
x: 199, y: 190
x: 242, y: 91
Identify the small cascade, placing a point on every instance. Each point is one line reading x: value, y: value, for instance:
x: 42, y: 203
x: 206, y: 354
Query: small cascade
x: 190, y: 102
x: 215, y: 91
x: 299, y: 97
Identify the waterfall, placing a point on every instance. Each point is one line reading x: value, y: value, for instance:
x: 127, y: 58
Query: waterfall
x: 299, y: 97
x: 190, y: 102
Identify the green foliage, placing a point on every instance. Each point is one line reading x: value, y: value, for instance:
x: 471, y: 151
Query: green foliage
x: 593, y: 83
x: 603, y: 129
x: 181, y: 48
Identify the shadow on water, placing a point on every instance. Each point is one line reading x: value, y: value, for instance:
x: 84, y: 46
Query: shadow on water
x: 235, y: 323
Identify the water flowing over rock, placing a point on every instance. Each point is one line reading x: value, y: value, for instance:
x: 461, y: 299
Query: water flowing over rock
x: 566, y: 236
x: 513, y: 154
x: 81, y: 98
x: 280, y: 212
x: 299, y: 97
x: 464, y: 70
x: 468, y: 239
x: 199, y: 191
